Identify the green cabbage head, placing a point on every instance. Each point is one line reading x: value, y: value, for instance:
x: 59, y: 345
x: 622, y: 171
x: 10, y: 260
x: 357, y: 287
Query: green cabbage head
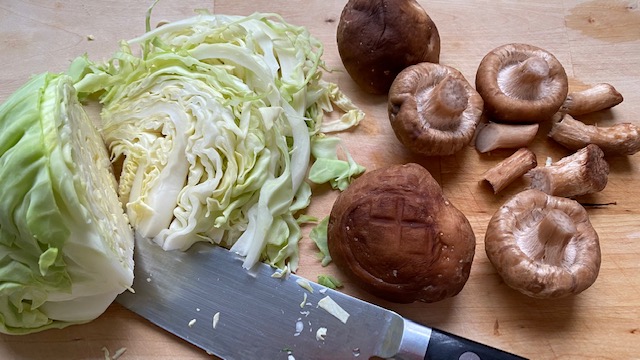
x: 66, y: 248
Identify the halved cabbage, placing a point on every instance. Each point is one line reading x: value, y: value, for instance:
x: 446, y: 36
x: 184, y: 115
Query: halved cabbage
x: 66, y: 247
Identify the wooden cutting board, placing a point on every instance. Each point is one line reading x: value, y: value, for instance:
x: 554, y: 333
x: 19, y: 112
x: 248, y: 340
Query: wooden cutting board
x: 597, y: 41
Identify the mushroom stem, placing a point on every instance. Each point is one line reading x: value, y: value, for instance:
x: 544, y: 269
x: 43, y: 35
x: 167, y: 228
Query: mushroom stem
x: 445, y: 103
x: 619, y: 139
x: 555, y: 231
x: 523, y: 80
x: 584, y: 172
x: 598, y: 97
x: 509, y: 169
x: 500, y: 136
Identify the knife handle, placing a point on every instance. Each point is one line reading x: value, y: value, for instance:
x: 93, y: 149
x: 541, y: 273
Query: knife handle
x: 443, y: 345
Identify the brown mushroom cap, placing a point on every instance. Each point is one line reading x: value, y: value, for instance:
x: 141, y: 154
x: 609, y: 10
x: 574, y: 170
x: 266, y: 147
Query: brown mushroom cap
x: 521, y: 83
x: 433, y: 109
x: 377, y: 39
x: 543, y: 246
x: 395, y: 234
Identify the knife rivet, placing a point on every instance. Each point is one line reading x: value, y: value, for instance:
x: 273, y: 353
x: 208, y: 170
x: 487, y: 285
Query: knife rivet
x: 469, y: 355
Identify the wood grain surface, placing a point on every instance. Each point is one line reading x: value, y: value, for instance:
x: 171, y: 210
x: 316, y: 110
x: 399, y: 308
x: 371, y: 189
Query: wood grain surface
x: 596, y: 41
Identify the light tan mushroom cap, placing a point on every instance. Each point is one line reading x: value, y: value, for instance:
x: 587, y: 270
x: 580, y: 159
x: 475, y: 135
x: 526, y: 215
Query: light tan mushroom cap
x: 433, y: 109
x: 543, y: 246
x: 521, y: 83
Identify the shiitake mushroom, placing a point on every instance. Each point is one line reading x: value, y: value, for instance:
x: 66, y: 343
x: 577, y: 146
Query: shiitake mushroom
x: 433, y: 109
x: 397, y: 236
x: 543, y: 246
x: 378, y: 38
x: 521, y: 83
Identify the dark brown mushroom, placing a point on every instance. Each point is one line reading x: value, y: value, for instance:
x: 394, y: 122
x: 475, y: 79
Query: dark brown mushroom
x: 433, y: 109
x: 521, y: 83
x: 395, y: 234
x: 543, y: 246
x: 377, y: 39
x: 583, y: 172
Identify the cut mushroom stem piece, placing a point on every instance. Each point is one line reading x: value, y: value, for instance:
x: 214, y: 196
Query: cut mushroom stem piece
x: 510, y: 169
x: 584, y: 172
x: 504, y: 136
x: 543, y: 246
x: 521, y: 83
x: 619, y: 139
x: 598, y: 97
x: 433, y: 109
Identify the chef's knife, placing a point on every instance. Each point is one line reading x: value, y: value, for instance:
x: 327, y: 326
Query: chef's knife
x: 205, y: 297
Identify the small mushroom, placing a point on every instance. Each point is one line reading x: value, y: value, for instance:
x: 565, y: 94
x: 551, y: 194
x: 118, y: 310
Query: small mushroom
x: 396, y: 235
x: 584, y: 172
x: 521, y: 83
x: 598, y: 97
x: 433, y: 109
x: 509, y: 169
x: 619, y: 139
x: 504, y: 136
x: 543, y: 246
x: 377, y: 39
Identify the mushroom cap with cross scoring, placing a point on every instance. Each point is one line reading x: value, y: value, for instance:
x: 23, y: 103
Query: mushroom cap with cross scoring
x: 396, y: 235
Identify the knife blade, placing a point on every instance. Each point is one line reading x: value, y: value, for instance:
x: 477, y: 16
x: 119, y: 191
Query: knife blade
x: 204, y: 296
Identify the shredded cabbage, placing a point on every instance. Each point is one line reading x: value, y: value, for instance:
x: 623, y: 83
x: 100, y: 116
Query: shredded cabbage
x: 215, y: 123
x: 66, y: 248
x: 329, y: 281
x: 319, y: 236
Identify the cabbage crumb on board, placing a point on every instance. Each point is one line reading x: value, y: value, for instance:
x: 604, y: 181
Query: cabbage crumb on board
x: 216, y: 122
x: 65, y: 243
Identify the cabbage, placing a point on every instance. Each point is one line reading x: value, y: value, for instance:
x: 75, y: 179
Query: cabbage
x: 319, y: 236
x: 214, y: 124
x: 66, y: 248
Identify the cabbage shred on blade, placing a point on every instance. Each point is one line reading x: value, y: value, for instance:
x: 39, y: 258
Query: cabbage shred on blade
x: 216, y: 122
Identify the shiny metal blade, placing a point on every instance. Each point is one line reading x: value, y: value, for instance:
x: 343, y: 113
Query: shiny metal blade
x: 258, y: 316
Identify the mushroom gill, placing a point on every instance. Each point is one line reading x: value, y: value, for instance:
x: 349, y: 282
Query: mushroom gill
x: 544, y: 238
x: 525, y: 80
